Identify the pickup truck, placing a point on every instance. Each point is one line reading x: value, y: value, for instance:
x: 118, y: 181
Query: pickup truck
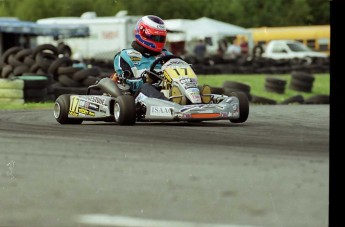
x: 290, y: 49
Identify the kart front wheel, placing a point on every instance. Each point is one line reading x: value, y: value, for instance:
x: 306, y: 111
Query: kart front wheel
x: 124, y: 110
x: 61, y: 108
x: 244, y: 107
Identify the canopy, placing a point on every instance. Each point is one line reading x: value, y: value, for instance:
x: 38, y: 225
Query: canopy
x: 176, y: 29
x: 12, y: 25
x: 204, y: 27
x: 177, y: 25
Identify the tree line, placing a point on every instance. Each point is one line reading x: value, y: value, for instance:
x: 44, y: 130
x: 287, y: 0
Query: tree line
x: 245, y: 13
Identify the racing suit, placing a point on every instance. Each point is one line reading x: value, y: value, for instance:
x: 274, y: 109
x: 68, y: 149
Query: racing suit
x: 130, y: 63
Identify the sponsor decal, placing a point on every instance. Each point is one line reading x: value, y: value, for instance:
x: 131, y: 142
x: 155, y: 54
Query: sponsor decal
x: 93, y: 106
x: 233, y: 114
x: 160, y: 26
x: 235, y: 111
x: 204, y: 108
x: 96, y: 100
x: 186, y: 116
x: 235, y: 107
x: 82, y: 102
x: 72, y: 113
x: 186, y: 80
x: 192, y: 90
x: 133, y: 53
x: 194, y: 107
x: 189, y: 85
x: 223, y: 114
x: 195, y: 95
x: 135, y: 58
x: 141, y: 97
x: 74, y: 106
x: 176, y: 62
x: 86, y: 112
x: 161, y: 111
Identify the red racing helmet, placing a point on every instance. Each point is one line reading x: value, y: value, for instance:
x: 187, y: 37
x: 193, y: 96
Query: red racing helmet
x: 150, y: 32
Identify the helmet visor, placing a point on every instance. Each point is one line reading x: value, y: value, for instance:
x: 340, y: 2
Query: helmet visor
x: 156, y: 38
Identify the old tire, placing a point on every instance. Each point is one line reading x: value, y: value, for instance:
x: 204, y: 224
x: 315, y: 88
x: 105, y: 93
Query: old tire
x: 263, y: 100
x: 317, y: 99
x: 61, y: 109
x: 124, y: 110
x: 244, y: 107
x: 299, y: 99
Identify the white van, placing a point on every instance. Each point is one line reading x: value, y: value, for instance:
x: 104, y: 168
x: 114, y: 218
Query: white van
x: 108, y: 35
x: 290, y: 49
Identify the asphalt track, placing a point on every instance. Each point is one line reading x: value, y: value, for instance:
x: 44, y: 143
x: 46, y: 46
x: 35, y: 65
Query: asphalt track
x: 273, y: 170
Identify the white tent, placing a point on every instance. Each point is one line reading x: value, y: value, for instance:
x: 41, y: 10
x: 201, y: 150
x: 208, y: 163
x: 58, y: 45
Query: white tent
x: 204, y: 27
x: 207, y: 27
x: 176, y: 29
x: 177, y: 25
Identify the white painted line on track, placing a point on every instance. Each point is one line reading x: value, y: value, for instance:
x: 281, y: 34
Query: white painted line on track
x: 123, y: 221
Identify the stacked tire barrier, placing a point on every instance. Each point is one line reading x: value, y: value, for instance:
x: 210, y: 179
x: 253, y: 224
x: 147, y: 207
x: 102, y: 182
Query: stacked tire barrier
x: 31, y: 66
x: 16, y: 60
x: 47, y: 72
x: 35, y: 87
x: 11, y: 91
x: 301, y: 81
x: 255, y: 65
x: 71, y: 79
x: 275, y: 85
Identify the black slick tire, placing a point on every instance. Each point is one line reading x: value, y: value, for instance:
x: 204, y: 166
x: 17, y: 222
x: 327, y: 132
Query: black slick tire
x: 244, y: 107
x: 61, y: 109
x: 124, y: 110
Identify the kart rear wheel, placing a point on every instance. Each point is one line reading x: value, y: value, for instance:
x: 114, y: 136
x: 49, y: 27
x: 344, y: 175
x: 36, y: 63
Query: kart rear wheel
x: 244, y: 107
x: 61, y: 108
x: 124, y: 110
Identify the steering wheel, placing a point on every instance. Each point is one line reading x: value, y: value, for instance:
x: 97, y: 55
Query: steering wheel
x: 161, y: 60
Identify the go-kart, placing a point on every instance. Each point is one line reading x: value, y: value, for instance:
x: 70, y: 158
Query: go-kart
x: 185, y: 100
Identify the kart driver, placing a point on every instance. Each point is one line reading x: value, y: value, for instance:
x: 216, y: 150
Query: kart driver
x: 129, y: 64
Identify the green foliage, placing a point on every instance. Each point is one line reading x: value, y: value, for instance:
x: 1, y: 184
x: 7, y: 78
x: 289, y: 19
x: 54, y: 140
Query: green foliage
x: 270, y: 13
x: 245, y: 13
x: 33, y: 10
x: 320, y: 11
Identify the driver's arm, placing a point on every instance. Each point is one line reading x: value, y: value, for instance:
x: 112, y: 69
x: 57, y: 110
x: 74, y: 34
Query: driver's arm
x: 122, y: 68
